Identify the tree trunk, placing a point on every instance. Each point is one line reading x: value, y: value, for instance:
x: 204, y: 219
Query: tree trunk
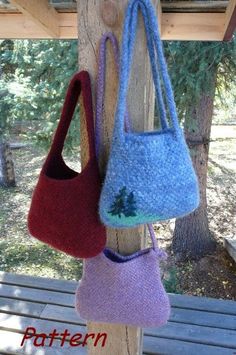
x: 7, y: 175
x: 192, y: 238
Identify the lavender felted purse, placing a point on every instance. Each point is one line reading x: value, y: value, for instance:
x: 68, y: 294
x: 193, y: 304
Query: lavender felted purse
x: 149, y: 176
x: 124, y: 289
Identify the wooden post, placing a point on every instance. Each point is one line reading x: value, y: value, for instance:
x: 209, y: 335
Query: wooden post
x: 94, y: 18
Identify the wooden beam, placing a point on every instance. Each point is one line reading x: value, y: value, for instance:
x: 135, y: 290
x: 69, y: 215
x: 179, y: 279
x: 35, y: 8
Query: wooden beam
x: 198, y: 6
x: 192, y: 26
x: 40, y: 12
x: 121, y: 339
x: 18, y: 26
x: 230, y: 20
x: 174, y: 26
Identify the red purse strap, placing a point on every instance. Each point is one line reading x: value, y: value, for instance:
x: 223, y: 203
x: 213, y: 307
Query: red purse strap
x: 79, y: 83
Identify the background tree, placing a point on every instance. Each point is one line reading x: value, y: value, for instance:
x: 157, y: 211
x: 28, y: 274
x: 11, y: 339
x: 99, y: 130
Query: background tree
x: 34, y: 77
x: 199, y: 71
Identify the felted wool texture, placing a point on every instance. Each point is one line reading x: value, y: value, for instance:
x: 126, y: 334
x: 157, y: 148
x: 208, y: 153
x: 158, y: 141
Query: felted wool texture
x: 149, y: 176
x: 123, y: 289
x: 64, y: 206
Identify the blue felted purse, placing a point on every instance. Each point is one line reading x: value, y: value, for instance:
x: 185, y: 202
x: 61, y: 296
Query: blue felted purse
x: 149, y: 176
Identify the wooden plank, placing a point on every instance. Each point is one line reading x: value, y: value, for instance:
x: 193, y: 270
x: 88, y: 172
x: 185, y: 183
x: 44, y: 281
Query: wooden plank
x: 11, y: 306
x: 194, y: 5
x: 155, y: 346
x: 195, y: 334
x: 230, y: 245
x: 10, y: 344
x: 68, y: 315
x: 19, y: 324
x: 122, y: 339
x: 177, y: 315
x: 35, y: 295
x: 41, y: 13
x: 38, y: 282
x: 203, y: 304
x: 175, y: 26
x: 193, y: 26
x: 204, y: 318
x: 230, y: 20
x: 17, y: 26
x: 64, y: 5
x: 177, y: 300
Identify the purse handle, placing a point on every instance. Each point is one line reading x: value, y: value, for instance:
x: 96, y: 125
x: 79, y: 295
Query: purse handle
x: 100, y: 105
x: 156, y: 54
x: 80, y: 82
x: 101, y: 86
x: 101, y: 81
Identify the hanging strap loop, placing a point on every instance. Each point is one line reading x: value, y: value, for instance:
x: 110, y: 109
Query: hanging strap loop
x: 156, y: 55
x: 101, y: 81
x: 79, y: 83
x: 161, y: 253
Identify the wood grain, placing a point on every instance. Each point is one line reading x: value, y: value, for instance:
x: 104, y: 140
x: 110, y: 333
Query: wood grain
x: 41, y: 13
x: 121, y: 339
x: 176, y: 26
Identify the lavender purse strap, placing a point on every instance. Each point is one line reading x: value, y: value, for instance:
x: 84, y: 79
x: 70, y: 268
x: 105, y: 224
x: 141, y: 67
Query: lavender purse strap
x: 157, y: 59
x: 161, y: 253
x: 100, y: 105
x: 101, y: 81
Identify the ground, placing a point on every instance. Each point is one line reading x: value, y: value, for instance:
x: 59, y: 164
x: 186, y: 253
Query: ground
x: 213, y: 276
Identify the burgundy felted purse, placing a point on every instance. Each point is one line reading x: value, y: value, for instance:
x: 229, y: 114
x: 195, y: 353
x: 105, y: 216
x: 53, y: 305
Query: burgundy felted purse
x: 64, y: 207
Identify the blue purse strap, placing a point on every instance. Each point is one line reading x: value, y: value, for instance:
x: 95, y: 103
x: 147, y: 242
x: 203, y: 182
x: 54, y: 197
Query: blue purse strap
x: 158, y: 64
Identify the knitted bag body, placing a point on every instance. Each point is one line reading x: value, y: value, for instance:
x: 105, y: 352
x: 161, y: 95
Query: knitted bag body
x: 149, y: 175
x: 124, y: 289
x: 64, y: 207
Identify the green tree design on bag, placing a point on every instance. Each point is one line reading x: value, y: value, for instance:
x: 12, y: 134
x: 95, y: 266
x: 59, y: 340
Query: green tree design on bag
x: 124, y: 203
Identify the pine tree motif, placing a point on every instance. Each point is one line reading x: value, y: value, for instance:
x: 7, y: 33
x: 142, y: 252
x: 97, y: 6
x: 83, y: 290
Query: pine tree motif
x: 119, y: 204
x: 124, y: 203
x: 131, y: 206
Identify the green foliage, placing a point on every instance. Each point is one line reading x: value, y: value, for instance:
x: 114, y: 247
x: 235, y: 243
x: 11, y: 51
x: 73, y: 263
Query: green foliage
x: 35, y: 75
x: 197, y: 68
